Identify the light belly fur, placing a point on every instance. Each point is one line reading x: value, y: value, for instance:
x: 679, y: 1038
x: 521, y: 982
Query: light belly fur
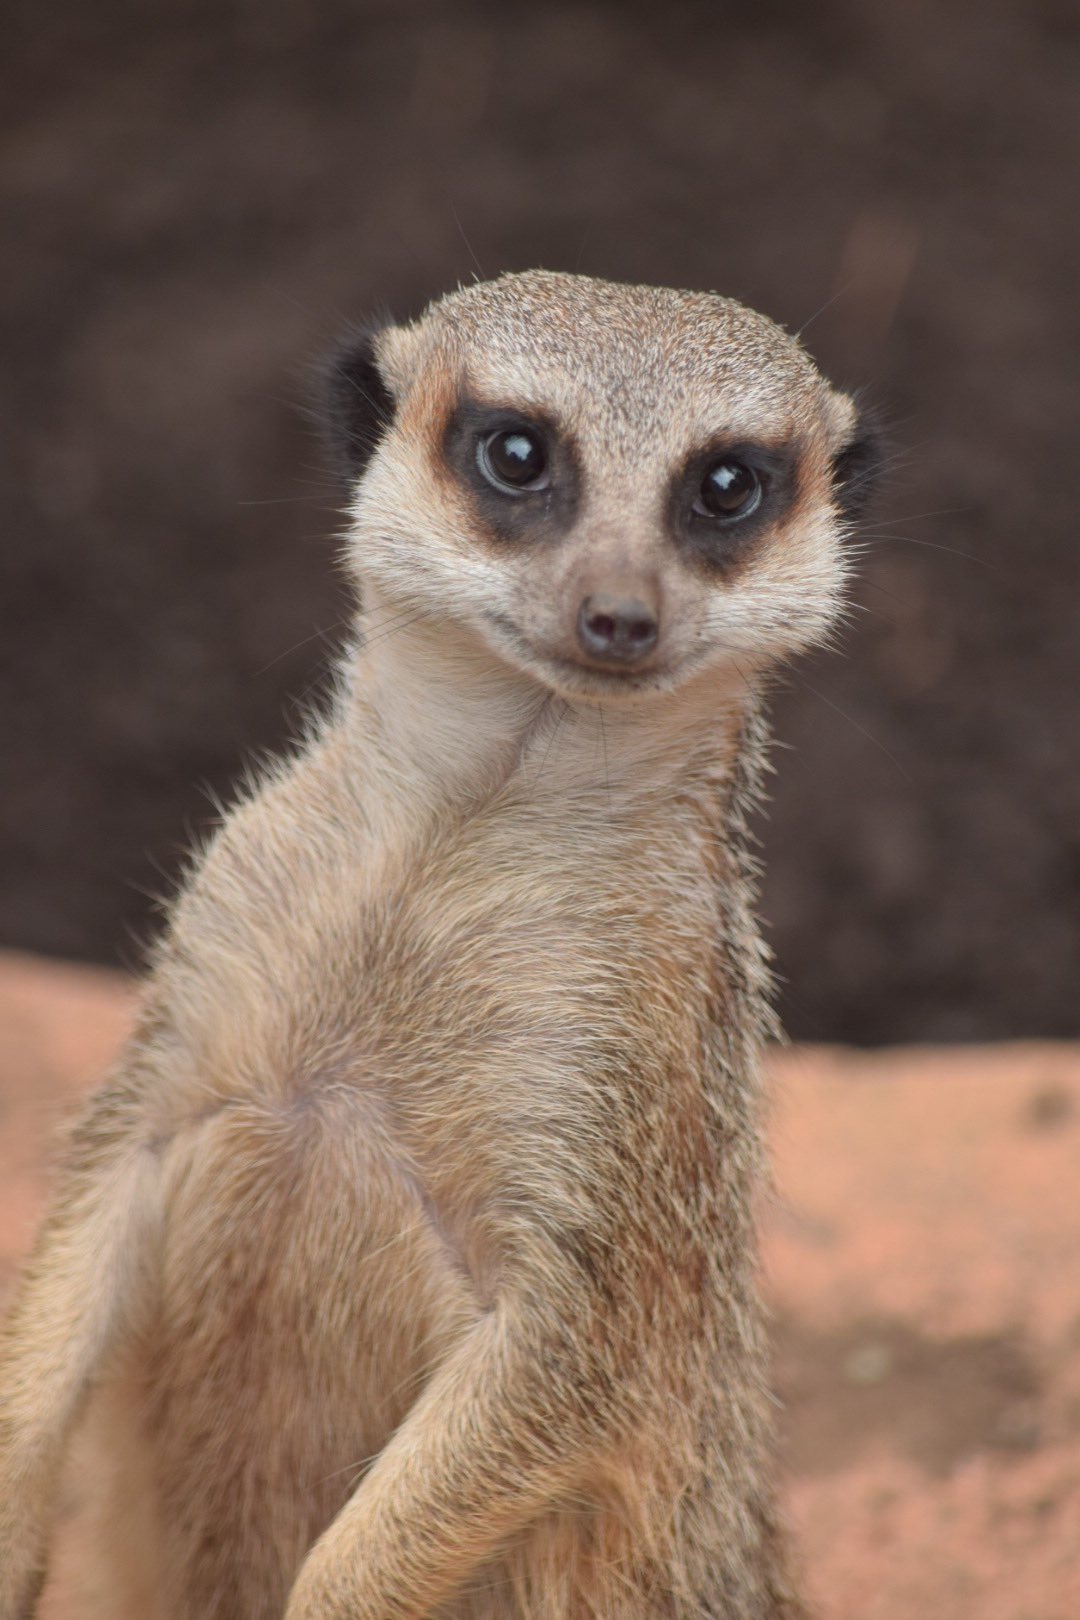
x: 247, y: 1411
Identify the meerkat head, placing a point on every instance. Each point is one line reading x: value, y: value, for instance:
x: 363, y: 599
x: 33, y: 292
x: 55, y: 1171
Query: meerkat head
x: 612, y: 487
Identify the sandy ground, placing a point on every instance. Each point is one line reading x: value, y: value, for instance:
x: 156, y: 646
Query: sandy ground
x: 923, y: 1259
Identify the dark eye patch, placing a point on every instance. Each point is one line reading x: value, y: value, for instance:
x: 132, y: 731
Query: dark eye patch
x: 714, y: 533
x: 481, y: 438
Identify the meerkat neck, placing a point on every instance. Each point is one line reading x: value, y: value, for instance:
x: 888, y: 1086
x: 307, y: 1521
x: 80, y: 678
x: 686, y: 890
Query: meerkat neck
x: 445, y: 724
x: 436, y: 717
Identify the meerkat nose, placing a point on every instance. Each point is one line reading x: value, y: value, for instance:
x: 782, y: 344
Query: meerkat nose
x: 615, y: 630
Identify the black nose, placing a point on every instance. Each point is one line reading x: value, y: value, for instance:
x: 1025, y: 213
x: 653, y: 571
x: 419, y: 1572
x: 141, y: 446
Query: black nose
x: 616, y: 632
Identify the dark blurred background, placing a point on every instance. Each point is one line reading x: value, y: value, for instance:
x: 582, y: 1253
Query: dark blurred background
x: 196, y: 196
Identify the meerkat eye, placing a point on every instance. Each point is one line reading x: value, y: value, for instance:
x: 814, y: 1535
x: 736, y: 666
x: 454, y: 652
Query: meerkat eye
x: 730, y: 489
x: 513, y: 460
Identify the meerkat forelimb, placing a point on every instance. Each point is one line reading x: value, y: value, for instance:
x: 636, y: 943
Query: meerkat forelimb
x: 409, y: 1256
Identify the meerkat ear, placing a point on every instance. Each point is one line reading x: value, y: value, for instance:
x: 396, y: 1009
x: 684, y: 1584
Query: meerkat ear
x: 357, y: 405
x: 855, y: 466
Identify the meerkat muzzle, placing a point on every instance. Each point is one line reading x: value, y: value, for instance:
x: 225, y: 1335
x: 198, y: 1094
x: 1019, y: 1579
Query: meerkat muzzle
x: 614, y: 630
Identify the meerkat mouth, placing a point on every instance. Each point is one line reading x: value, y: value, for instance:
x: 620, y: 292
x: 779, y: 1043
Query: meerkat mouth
x: 573, y: 677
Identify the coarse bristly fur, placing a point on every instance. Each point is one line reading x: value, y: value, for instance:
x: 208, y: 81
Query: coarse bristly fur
x: 406, y: 1264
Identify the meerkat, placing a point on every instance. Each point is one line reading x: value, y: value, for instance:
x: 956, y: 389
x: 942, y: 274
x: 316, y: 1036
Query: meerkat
x: 406, y: 1264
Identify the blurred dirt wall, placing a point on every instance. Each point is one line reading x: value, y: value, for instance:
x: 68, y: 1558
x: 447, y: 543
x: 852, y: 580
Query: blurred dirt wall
x: 195, y: 197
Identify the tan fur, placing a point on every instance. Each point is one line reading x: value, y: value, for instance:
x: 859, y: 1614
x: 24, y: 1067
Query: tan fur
x: 407, y: 1262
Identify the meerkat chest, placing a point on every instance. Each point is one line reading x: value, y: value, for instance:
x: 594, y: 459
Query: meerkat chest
x: 500, y: 1018
x: 479, y: 989
x: 512, y: 945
